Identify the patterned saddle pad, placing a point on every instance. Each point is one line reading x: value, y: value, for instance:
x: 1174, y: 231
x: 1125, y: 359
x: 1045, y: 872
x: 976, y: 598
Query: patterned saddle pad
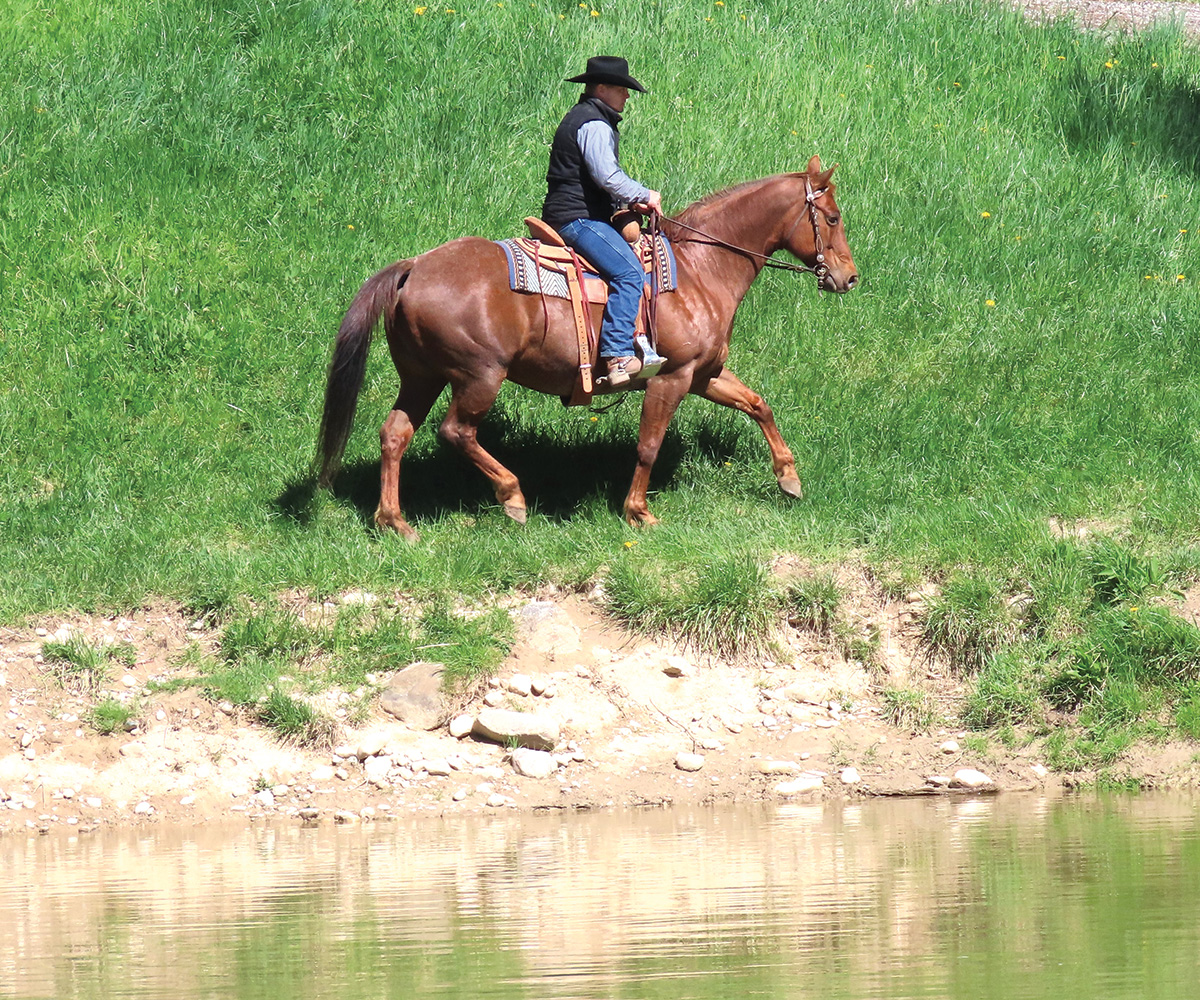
x: 540, y: 268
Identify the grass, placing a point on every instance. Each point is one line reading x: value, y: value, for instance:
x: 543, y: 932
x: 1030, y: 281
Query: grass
x: 190, y: 196
x: 111, y: 716
x: 76, y: 662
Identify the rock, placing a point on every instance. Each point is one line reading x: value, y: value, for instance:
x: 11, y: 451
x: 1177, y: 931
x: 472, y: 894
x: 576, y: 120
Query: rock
x: 129, y: 681
x: 414, y: 696
x: 967, y: 777
x: 370, y: 745
x: 226, y: 707
x: 537, y: 686
x: 345, y: 816
x: 265, y: 798
x: 776, y: 767
x: 362, y: 597
x: 438, y: 767
x: 938, y: 781
x: 366, y: 813
x: 461, y: 726
x: 309, y: 814
x: 188, y: 800
x: 26, y: 739
x: 689, y: 761
x: 1040, y: 771
x: 520, y: 684
x: 93, y: 803
x: 143, y: 809
x: 546, y: 628
x: 949, y: 747
x: 527, y: 729
x: 376, y: 769
x: 496, y: 800
x: 342, y: 751
x: 533, y: 763
x: 801, y: 785
x: 323, y: 773
x: 494, y: 699
x: 850, y: 776
x: 677, y: 666
x: 459, y: 794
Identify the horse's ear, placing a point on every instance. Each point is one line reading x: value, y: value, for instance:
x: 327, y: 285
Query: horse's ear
x: 823, y: 180
x: 813, y: 165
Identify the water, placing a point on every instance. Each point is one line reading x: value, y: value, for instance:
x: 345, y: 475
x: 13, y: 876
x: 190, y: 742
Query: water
x: 1008, y: 897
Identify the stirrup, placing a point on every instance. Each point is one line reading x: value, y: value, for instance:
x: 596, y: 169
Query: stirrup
x: 652, y: 361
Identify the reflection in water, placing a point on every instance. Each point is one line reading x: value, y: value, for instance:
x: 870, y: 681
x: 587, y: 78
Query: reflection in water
x: 1000, y: 897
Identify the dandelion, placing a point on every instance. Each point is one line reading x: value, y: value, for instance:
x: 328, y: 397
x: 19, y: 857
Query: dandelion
x: 1108, y: 65
x: 1181, y: 277
x: 1062, y: 58
x: 419, y: 10
x: 729, y: 465
x: 349, y: 227
x: 1154, y: 65
x: 990, y: 303
x: 708, y: 19
x: 719, y: 3
x: 985, y: 215
x: 794, y: 132
x: 595, y: 13
x: 594, y: 419
x: 630, y: 545
x: 1134, y: 609
x: 957, y: 84
x: 1182, y: 231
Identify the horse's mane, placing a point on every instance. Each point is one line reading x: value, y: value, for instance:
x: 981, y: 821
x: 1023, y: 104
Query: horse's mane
x: 697, y: 210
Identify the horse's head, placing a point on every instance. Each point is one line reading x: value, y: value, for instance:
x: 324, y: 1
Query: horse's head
x: 817, y: 236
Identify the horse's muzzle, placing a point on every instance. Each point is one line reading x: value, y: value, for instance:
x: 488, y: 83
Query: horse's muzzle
x: 839, y: 282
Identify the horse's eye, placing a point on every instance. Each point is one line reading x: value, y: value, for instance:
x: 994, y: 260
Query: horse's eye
x: 832, y: 220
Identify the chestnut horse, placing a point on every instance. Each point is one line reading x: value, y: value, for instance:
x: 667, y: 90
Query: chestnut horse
x: 450, y: 317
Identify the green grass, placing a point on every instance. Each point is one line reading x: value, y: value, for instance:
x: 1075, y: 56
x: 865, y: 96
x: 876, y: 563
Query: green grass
x: 111, y: 716
x: 77, y: 662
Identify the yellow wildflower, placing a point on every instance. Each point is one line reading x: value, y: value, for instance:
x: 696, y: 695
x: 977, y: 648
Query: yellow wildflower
x: 595, y: 13
x: 990, y: 302
x: 630, y: 545
x: 1181, y: 277
x: 1108, y: 65
x: 420, y: 10
x: 985, y: 215
x: 349, y: 227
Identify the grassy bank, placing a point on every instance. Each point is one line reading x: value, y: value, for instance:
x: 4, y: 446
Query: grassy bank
x: 190, y: 194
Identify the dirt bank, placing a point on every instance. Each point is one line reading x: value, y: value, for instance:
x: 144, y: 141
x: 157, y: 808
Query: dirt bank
x: 806, y: 724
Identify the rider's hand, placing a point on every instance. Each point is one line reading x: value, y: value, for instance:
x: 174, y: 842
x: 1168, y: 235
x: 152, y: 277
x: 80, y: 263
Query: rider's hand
x: 651, y: 204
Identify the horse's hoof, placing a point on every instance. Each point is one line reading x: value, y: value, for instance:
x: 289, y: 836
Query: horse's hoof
x: 641, y: 519
x: 400, y: 526
x: 792, y: 488
x: 518, y: 514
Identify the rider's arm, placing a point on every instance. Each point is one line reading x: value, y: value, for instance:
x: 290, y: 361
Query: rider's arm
x: 597, y: 142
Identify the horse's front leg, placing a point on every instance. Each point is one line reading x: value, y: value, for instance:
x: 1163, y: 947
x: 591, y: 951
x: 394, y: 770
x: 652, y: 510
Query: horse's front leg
x: 469, y: 402
x: 663, y: 395
x: 729, y: 390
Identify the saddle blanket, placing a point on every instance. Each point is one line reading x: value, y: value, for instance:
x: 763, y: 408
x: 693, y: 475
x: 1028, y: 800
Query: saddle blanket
x: 523, y: 276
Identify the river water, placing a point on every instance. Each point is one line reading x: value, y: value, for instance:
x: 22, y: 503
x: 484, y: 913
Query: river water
x: 1004, y: 897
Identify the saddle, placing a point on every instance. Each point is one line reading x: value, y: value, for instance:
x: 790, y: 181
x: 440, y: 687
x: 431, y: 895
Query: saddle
x: 544, y: 265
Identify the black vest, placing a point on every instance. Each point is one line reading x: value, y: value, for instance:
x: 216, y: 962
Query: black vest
x: 571, y: 193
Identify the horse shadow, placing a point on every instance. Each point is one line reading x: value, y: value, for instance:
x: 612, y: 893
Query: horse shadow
x: 557, y: 476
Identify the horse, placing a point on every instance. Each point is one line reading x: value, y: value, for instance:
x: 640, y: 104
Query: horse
x: 451, y: 318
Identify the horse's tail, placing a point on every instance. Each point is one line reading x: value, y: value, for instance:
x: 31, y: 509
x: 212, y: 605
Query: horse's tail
x: 349, y: 364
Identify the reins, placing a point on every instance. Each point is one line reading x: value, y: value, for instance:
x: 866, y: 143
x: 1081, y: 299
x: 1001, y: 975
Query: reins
x: 810, y: 198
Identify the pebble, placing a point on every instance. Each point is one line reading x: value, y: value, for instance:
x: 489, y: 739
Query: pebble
x: 459, y: 794
x: 493, y: 699
x: 323, y: 773
x: 26, y: 739
x: 1040, y: 770
x: 461, y: 726
x: 369, y: 746
x: 800, y: 785
x: 850, y: 776
x: 226, y: 707
x: 967, y: 777
x: 439, y: 768
x: 93, y: 802
x: 495, y: 800
x: 309, y: 813
x: 520, y: 684
x: 187, y: 800
x: 537, y: 686
x: 949, y: 747
x: 689, y: 761
x: 533, y: 763
x: 143, y: 809
x: 342, y: 751
x: 775, y: 767
x: 265, y: 798
x: 345, y: 816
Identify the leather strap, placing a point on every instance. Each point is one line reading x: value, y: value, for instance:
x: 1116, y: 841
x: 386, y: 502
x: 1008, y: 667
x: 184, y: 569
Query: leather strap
x: 582, y: 326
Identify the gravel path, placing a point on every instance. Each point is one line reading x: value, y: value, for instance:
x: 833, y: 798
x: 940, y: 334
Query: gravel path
x: 1118, y: 15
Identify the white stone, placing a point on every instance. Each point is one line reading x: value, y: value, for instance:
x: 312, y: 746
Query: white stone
x: 799, y: 786
x: 949, y: 747
x: 520, y: 684
x: 776, y: 767
x: 265, y: 798
x: 160, y: 715
x: 494, y: 699
x: 459, y: 794
x: 226, y: 707
x: 187, y: 800
x: 1040, y: 770
x: 93, y: 802
x: 967, y: 777
x: 343, y: 750
x: 533, y: 763
x: 461, y: 726
x: 537, y: 686
x: 689, y: 761
x: 938, y: 780
x: 360, y: 597
x: 370, y: 745
x: 438, y: 767
x: 522, y: 728
x: 26, y: 739
x: 375, y: 769
x: 143, y: 809
x: 322, y: 773
x: 495, y: 800
x: 850, y: 776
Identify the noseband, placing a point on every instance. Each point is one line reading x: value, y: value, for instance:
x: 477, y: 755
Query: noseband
x: 810, y: 199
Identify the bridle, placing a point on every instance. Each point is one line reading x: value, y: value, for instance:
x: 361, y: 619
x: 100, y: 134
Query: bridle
x: 810, y: 199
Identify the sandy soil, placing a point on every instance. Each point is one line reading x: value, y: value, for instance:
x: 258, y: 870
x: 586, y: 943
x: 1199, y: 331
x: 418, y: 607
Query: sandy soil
x: 805, y: 725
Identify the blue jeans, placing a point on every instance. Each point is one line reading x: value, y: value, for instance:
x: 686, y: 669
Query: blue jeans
x: 619, y: 266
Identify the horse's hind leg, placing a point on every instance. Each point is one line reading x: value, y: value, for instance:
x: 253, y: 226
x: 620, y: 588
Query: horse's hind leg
x: 412, y: 406
x: 469, y: 402
x: 729, y: 390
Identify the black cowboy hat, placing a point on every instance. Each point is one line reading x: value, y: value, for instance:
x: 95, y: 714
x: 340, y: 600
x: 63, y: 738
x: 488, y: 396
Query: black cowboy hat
x: 612, y: 70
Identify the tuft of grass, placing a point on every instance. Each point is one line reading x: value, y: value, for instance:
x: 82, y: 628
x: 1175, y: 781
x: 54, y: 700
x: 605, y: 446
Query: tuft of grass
x: 728, y: 607
x: 110, y: 716
x: 812, y: 603
x: 295, y: 721
x: 1187, y: 713
x: 1006, y: 691
x: 1121, y: 574
x: 79, y: 663
x: 969, y: 621
x: 910, y: 708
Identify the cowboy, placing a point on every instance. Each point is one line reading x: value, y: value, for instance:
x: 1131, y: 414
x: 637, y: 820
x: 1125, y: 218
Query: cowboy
x: 585, y: 186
